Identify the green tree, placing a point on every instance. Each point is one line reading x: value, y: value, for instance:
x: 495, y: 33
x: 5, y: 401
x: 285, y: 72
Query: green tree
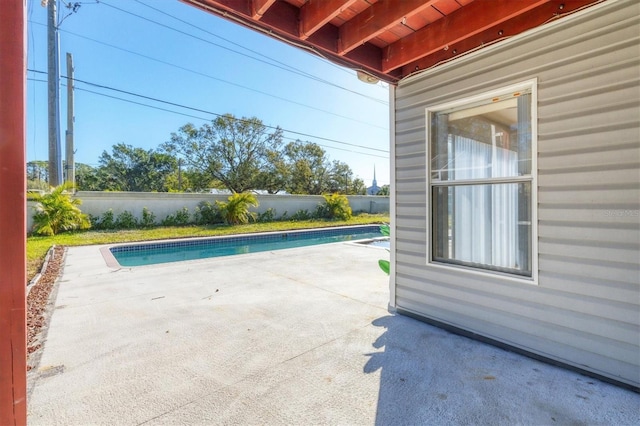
x: 311, y: 172
x: 199, y: 181
x: 343, y: 181
x: 38, y: 185
x: 175, y: 182
x: 37, y: 172
x: 309, y: 169
x: 87, y: 178
x: 135, y: 169
x: 274, y: 177
x: 56, y: 211
x: 384, y: 190
x: 230, y: 150
x: 357, y: 187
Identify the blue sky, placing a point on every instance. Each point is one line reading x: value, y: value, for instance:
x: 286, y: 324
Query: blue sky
x: 202, y: 62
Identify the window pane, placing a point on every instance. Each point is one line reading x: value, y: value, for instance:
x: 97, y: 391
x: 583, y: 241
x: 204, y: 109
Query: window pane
x: 486, y: 140
x: 485, y: 226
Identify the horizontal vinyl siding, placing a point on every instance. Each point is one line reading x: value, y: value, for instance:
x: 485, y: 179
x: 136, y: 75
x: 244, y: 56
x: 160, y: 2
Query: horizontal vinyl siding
x: 585, y: 308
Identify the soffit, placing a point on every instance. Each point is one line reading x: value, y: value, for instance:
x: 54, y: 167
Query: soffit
x: 391, y: 39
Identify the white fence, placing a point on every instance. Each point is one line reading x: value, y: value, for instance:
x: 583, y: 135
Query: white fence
x: 164, y: 204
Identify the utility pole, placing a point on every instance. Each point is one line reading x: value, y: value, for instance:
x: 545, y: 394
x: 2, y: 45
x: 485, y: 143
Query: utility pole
x: 69, y: 151
x: 53, y: 72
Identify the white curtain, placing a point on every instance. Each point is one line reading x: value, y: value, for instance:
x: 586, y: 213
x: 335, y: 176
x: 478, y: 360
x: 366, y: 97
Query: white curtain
x: 485, y: 217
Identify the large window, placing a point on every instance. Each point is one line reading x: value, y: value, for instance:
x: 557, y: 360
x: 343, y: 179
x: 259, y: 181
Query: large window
x: 481, y: 181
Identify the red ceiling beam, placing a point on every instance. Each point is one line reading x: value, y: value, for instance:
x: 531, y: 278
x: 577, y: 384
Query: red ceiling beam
x: 367, y: 57
x: 282, y: 17
x: 375, y: 20
x: 325, y: 39
x: 230, y: 6
x: 466, y: 22
x: 259, y: 7
x: 316, y: 13
x: 476, y: 23
x: 517, y: 25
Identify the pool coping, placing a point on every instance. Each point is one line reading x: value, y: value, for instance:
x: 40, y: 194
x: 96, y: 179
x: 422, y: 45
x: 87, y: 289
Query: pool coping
x: 113, y: 263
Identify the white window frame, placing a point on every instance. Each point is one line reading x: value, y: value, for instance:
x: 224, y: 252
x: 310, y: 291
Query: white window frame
x: 531, y: 85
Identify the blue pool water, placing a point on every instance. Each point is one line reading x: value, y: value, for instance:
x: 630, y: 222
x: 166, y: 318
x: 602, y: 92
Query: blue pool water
x: 177, y: 251
x: 379, y: 243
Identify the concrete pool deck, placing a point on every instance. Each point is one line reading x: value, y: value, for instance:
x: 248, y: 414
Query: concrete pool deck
x: 300, y: 336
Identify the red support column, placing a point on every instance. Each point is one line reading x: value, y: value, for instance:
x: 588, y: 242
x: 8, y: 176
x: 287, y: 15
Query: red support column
x: 13, y: 274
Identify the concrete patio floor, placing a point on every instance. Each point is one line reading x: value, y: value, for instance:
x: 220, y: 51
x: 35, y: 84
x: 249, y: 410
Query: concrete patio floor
x: 299, y: 336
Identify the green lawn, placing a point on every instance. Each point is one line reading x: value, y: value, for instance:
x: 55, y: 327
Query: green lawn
x: 37, y: 246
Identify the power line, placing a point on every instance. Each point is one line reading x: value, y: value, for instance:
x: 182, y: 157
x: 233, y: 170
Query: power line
x: 199, y: 118
x: 286, y: 68
x: 342, y: 149
x: 289, y: 68
x: 206, y: 112
x: 204, y: 119
x: 216, y: 78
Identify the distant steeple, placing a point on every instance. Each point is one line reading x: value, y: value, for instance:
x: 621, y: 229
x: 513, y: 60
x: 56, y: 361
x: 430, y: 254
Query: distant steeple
x: 374, y: 188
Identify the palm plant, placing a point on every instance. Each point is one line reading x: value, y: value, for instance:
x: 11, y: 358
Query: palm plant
x: 56, y: 212
x: 236, y: 210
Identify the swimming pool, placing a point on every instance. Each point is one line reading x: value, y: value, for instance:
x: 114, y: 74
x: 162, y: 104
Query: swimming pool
x: 191, y: 249
x: 378, y: 242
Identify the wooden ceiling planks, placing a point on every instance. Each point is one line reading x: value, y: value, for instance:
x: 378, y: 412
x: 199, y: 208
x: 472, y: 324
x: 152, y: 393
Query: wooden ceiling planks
x: 390, y: 39
x: 316, y: 13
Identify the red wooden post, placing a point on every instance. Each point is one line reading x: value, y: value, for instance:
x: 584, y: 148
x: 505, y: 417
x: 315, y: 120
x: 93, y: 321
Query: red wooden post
x: 13, y: 274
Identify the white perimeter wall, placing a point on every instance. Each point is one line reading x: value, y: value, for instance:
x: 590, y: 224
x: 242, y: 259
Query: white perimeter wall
x: 164, y: 204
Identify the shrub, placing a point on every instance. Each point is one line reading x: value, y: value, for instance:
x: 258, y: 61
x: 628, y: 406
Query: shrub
x: 106, y: 221
x: 126, y: 220
x: 336, y: 207
x: 236, y: 210
x: 207, y: 214
x: 180, y: 218
x: 268, y: 216
x: 301, y: 215
x: 321, y: 212
x: 148, y: 218
x: 94, y: 220
x: 57, y: 212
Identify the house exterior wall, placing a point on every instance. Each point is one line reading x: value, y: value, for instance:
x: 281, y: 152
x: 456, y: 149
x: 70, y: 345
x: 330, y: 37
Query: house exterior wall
x: 584, y: 308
